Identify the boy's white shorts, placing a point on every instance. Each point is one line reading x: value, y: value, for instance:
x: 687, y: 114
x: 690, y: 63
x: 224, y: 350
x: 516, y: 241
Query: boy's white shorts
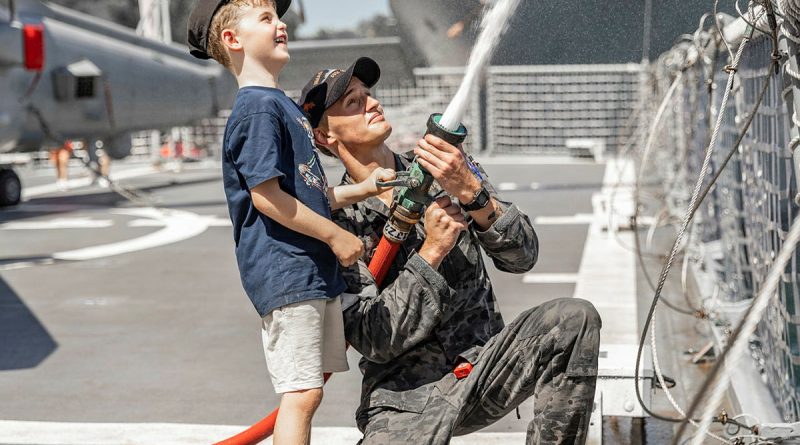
x: 302, y: 341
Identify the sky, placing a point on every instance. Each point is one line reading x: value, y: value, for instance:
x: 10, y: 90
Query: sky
x: 337, y: 14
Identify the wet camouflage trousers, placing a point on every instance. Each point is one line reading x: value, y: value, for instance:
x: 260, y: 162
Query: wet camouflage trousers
x: 549, y: 352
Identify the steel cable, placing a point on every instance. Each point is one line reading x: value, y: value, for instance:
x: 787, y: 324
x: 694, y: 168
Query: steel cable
x: 700, y: 199
x: 693, y: 206
x: 662, y: 382
x: 744, y: 326
x: 733, y: 353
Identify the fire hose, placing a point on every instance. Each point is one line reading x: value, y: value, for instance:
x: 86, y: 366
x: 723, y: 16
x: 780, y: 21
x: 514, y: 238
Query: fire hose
x: 407, y: 209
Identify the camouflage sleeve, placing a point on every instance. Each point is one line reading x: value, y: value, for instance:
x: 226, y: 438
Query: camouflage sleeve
x: 383, y: 325
x: 510, y: 242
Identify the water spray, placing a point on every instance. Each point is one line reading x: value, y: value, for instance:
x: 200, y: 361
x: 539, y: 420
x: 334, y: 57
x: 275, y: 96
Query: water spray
x: 412, y: 198
x: 493, y: 26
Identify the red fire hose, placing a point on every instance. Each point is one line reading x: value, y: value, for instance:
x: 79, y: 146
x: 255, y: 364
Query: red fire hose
x: 382, y: 259
x: 378, y: 266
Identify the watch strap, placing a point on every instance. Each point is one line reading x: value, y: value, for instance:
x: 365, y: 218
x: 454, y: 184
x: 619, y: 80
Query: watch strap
x: 480, y: 201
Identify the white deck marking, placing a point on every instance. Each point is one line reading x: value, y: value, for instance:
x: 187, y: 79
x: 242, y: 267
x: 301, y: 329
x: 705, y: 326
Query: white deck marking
x: 26, y: 264
x: 59, y: 433
x: 15, y: 158
x: 532, y: 160
x: 179, y: 225
x: 58, y: 223
x: 550, y: 278
x: 607, y: 274
x: 578, y: 218
x: 211, y: 221
x: 28, y: 207
x: 507, y: 186
x: 30, y: 192
x: 215, y: 221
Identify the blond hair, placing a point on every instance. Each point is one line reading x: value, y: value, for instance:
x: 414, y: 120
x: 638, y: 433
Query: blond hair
x: 228, y: 17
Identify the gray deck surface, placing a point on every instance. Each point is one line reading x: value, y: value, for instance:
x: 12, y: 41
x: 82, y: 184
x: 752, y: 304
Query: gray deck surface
x: 166, y: 334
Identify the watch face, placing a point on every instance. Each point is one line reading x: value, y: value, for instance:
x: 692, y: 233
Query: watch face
x: 480, y: 201
x: 483, y: 198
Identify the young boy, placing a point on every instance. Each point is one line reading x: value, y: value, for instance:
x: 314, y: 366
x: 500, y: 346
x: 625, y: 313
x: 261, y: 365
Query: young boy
x: 286, y: 245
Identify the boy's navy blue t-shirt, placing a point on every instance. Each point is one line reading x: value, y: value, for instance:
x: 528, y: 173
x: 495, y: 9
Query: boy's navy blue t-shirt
x: 267, y: 136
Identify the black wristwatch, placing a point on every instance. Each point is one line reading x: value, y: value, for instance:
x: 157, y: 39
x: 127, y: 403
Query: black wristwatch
x: 480, y: 201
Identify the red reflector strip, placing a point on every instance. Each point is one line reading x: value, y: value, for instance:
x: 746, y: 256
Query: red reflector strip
x: 33, y: 41
x: 462, y: 370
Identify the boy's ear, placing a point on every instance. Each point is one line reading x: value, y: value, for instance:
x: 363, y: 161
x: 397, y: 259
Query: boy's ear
x: 230, y: 40
x: 322, y: 137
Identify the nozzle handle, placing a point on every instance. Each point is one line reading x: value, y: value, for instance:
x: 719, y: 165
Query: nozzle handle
x: 403, y: 179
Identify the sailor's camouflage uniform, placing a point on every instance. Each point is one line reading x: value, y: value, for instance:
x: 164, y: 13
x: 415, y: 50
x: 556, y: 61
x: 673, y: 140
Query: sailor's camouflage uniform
x: 422, y: 322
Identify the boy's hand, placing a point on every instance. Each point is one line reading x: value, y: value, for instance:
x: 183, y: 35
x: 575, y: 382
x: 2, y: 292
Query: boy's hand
x: 345, y: 195
x: 379, y: 175
x: 347, y: 247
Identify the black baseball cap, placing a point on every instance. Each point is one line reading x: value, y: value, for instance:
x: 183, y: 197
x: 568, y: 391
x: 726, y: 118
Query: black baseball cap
x: 200, y: 21
x: 328, y: 86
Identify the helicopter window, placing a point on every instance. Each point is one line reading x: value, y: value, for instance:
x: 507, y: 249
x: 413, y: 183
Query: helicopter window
x: 84, y: 87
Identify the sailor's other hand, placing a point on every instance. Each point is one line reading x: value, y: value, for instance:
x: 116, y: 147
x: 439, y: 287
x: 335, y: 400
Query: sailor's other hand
x: 380, y: 175
x: 448, y: 165
x: 347, y: 247
x: 444, y: 222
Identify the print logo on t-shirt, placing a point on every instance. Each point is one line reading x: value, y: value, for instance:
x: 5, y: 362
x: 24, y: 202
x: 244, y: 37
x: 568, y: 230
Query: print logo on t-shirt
x: 309, y: 131
x: 309, y: 177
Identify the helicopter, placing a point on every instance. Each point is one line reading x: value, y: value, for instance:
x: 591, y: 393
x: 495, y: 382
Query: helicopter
x: 68, y: 75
